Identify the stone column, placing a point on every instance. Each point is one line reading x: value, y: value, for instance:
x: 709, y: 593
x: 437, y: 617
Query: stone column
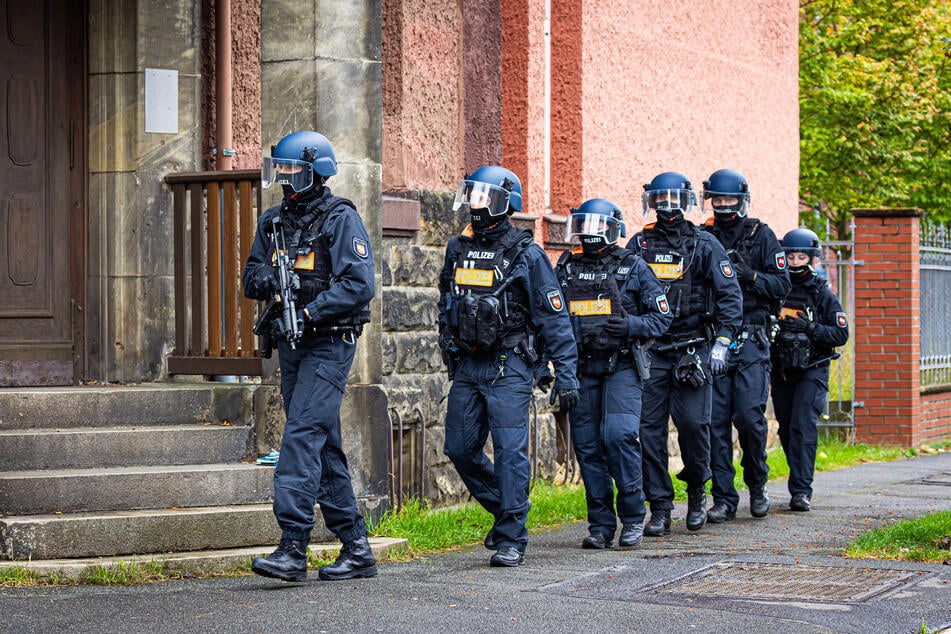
x: 885, y: 326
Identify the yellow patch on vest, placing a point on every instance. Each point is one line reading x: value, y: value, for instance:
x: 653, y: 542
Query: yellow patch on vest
x: 791, y: 313
x: 475, y: 277
x: 305, y: 261
x: 667, y: 271
x: 586, y: 307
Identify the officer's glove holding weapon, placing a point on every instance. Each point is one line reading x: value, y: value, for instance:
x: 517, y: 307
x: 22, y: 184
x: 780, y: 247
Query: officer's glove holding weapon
x: 799, y: 324
x: 744, y: 272
x: 718, y: 356
x: 264, y: 280
x: 280, y: 316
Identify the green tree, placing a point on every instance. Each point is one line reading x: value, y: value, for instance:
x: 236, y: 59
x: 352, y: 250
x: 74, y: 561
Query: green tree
x: 874, y: 108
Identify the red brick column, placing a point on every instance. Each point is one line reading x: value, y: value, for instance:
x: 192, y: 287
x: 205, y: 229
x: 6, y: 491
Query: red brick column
x: 886, y: 326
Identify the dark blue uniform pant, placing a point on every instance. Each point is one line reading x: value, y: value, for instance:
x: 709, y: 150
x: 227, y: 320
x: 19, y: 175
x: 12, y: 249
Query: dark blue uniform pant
x: 798, y: 401
x: 312, y: 467
x: 604, y: 432
x: 739, y: 398
x: 664, y: 399
x: 481, y: 403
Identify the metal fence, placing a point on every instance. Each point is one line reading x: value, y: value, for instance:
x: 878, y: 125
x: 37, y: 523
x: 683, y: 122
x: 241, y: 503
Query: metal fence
x: 838, y: 267
x: 935, y: 306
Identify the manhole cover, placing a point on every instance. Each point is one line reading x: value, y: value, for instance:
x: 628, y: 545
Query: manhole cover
x: 943, y: 479
x: 747, y: 580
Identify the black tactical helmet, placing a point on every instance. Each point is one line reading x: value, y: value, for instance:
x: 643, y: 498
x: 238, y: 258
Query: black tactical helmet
x: 801, y: 240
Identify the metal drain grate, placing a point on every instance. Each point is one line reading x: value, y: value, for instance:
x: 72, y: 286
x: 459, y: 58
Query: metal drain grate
x: 746, y: 580
x: 943, y: 479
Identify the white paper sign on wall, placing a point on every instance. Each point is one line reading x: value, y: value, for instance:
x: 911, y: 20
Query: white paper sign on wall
x: 161, y: 101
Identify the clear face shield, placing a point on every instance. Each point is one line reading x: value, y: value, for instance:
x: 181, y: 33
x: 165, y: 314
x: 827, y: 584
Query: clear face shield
x: 474, y: 195
x: 594, y: 225
x: 726, y: 203
x: 297, y: 174
x: 669, y: 201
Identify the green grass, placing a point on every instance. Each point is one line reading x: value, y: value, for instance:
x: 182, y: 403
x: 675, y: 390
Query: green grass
x: 926, y: 538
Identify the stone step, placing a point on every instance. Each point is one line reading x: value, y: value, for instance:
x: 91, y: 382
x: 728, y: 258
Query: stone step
x: 89, y: 447
x: 150, y: 404
x: 225, y: 561
x: 139, y: 487
x: 106, y: 533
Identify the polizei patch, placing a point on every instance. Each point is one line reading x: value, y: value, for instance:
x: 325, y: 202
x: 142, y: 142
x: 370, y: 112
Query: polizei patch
x: 361, y: 248
x: 554, y: 300
x: 841, y: 320
x: 662, y: 304
x: 780, y: 260
x: 726, y: 268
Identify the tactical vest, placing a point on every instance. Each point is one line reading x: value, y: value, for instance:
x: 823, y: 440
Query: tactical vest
x: 487, y: 312
x: 592, y: 288
x: 796, y: 350
x: 690, y: 303
x: 746, y: 246
x: 309, y: 249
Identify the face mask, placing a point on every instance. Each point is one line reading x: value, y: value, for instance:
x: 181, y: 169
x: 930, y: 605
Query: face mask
x: 799, y: 273
x: 288, y: 191
x: 725, y: 217
x: 481, y: 220
x: 592, y: 245
x: 666, y: 215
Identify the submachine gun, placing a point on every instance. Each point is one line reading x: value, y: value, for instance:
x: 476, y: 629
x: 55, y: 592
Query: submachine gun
x: 279, y: 318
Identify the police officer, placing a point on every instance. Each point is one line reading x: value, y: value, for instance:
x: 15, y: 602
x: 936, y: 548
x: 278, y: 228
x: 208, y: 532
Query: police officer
x: 498, y: 299
x: 617, y: 305
x: 811, y: 326
x: 740, y: 393
x: 706, y: 304
x: 330, y: 271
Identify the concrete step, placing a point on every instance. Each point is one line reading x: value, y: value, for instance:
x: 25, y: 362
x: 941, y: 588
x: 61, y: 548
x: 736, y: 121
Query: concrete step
x: 149, y: 404
x: 106, y: 533
x: 233, y: 561
x: 88, y: 447
x: 126, y: 488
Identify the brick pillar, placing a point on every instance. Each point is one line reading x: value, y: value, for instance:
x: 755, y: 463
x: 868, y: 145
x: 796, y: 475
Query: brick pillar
x: 885, y: 326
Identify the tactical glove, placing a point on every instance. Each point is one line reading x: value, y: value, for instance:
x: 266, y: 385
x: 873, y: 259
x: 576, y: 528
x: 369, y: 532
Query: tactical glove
x: 265, y: 280
x: 616, y: 326
x: 744, y: 272
x: 567, y: 399
x: 799, y: 324
x: 718, y: 356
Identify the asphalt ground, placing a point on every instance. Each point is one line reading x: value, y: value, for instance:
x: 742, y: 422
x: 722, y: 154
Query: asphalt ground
x: 783, y: 574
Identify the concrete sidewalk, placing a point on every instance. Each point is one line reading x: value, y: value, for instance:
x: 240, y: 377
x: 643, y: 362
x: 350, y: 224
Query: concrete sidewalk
x: 783, y: 574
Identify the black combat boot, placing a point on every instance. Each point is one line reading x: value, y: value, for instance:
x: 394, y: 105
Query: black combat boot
x: 596, y: 541
x: 759, y: 503
x: 355, y: 560
x: 287, y: 563
x: 800, y: 502
x: 659, y: 524
x: 507, y: 557
x: 696, y: 508
x: 631, y: 534
x: 720, y: 513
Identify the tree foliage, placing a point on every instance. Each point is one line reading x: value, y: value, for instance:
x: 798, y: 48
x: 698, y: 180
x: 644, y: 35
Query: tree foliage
x: 874, y: 108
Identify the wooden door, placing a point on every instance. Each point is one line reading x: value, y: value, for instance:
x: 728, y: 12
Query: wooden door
x: 42, y: 198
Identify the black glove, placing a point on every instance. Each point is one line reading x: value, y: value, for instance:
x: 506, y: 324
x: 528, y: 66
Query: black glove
x: 799, y: 324
x: 617, y: 325
x: 543, y: 378
x: 567, y: 399
x: 744, y: 273
x: 265, y: 280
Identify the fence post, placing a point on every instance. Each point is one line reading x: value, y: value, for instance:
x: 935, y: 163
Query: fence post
x: 885, y: 326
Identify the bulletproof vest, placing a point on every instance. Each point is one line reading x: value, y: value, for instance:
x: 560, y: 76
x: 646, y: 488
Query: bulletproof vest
x: 795, y: 350
x: 686, y: 293
x: 488, y: 312
x: 309, y: 249
x: 747, y: 247
x: 592, y: 288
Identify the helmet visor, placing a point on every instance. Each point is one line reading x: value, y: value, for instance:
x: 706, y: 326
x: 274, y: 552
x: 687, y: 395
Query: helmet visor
x: 593, y: 225
x: 475, y: 195
x: 671, y: 200
x: 298, y: 174
x: 726, y: 203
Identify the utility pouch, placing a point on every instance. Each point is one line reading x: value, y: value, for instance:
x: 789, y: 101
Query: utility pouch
x: 795, y: 350
x: 480, y: 321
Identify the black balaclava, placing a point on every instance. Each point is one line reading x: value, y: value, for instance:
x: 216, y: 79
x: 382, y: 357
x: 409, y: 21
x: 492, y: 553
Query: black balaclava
x: 303, y: 198
x: 800, y: 274
x: 729, y: 225
x: 593, y: 246
x: 482, y: 221
x: 493, y: 232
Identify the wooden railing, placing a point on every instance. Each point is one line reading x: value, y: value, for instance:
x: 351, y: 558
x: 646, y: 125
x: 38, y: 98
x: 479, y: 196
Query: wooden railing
x: 215, y: 219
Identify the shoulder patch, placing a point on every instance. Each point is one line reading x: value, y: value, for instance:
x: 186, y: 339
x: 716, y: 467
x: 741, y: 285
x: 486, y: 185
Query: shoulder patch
x: 841, y: 320
x: 360, y: 247
x: 555, y: 301
x: 709, y: 221
x: 577, y: 250
x: 726, y: 268
x: 662, y: 304
x: 780, y: 260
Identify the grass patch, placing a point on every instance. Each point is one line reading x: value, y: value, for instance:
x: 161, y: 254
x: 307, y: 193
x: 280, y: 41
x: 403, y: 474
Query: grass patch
x: 925, y: 538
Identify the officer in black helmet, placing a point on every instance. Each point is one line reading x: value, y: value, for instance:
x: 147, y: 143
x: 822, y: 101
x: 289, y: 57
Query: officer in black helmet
x: 706, y: 304
x: 323, y: 239
x: 498, y: 299
x: 617, y: 308
x: 740, y: 393
x: 811, y: 326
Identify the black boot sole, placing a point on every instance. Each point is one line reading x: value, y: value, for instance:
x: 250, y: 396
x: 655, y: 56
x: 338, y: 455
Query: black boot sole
x: 359, y: 573
x: 264, y: 571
